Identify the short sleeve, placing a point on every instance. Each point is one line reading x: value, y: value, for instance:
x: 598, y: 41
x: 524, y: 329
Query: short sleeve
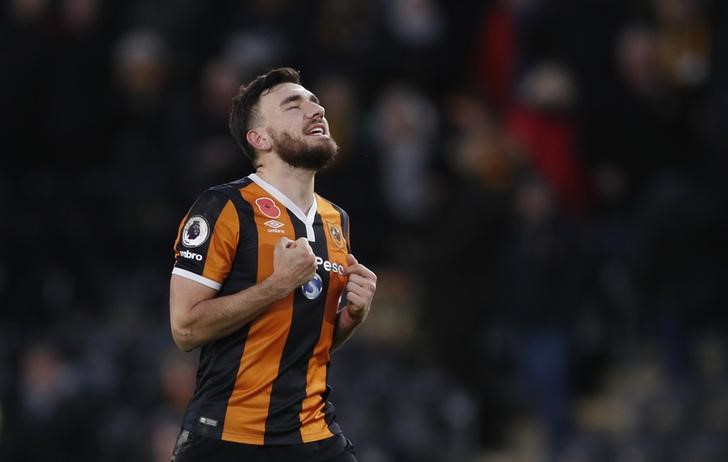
x: 207, y: 240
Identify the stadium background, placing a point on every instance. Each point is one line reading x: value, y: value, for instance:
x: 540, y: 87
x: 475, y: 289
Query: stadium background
x: 540, y: 185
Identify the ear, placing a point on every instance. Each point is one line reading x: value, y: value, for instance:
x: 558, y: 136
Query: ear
x: 258, y: 139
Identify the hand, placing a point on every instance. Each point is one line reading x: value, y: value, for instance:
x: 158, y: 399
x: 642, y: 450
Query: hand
x: 359, y: 289
x: 294, y: 264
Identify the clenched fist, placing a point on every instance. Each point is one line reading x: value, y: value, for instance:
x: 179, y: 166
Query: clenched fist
x: 294, y: 263
x: 359, y: 289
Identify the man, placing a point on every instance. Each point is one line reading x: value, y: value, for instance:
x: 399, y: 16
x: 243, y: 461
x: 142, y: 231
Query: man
x: 265, y: 284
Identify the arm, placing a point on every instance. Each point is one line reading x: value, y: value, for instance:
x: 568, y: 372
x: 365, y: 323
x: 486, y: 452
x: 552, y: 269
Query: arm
x: 345, y: 327
x: 359, y: 294
x: 198, y: 317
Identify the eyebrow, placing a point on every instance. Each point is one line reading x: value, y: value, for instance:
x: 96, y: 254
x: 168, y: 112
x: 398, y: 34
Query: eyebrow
x: 298, y: 97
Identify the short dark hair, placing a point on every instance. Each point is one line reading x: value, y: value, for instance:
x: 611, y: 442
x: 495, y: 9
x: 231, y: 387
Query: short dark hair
x: 245, y: 104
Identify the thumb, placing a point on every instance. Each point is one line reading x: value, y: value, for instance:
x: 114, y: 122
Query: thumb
x: 284, y: 242
x: 351, y: 260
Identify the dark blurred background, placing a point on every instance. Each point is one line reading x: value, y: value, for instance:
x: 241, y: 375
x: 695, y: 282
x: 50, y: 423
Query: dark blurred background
x: 541, y: 186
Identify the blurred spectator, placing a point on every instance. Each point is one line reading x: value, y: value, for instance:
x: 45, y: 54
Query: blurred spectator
x: 28, y: 10
x: 652, y: 126
x: 405, y: 128
x: 415, y: 30
x: 142, y: 100
x: 416, y: 23
x: 541, y: 123
x: 80, y: 15
x: 220, y: 82
x: 207, y: 144
x: 247, y: 52
x: 50, y: 416
x: 46, y: 382
x: 496, y: 53
x: 344, y: 38
x: 541, y: 280
x: 683, y: 42
x: 478, y: 149
x: 637, y: 60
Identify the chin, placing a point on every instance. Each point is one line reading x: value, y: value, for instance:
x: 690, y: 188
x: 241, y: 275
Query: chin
x: 305, y: 153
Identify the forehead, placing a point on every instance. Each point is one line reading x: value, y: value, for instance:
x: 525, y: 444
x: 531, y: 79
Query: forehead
x: 281, y: 92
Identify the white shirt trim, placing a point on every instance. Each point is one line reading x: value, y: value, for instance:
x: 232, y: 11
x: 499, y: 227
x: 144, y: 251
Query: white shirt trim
x: 307, y: 219
x: 197, y: 278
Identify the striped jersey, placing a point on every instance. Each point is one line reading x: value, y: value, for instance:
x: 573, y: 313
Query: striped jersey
x: 267, y: 382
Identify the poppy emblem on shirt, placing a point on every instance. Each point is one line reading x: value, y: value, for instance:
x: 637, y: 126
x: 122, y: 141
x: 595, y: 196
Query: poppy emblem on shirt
x: 267, y: 207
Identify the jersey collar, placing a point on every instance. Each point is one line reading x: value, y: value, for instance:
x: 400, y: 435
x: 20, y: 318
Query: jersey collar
x: 307, y: 219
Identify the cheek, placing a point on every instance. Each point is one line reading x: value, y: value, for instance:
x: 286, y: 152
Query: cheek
x: 289, y: 121
x: 291, y: 129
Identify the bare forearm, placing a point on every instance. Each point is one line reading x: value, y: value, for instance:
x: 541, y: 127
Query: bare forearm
x: 345, y: 327
x: 359, y: 293
x: 217, y: 317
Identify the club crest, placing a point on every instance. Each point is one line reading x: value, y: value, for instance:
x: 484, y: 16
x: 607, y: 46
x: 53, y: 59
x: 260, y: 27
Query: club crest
x: 336, y: 235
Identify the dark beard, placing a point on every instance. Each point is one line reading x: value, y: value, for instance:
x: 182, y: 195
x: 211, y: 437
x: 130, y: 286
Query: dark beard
x: 300, y: 154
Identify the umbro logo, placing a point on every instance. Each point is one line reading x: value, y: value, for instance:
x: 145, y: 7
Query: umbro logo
x: 274, y: 226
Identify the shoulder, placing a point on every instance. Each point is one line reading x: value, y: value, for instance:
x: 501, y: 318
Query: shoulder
x: 222, y: 193
x: 230, y: 188
x: 211, y: 202
x: 333, y: 214
x: 328, y: 204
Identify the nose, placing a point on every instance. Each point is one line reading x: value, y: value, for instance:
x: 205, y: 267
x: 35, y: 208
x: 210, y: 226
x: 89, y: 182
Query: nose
x: 315, y: 110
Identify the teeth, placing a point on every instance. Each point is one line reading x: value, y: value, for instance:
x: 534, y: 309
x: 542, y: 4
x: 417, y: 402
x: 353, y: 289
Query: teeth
x: 317, y: 131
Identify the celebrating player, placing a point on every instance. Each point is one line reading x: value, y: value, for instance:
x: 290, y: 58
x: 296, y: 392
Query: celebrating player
x: 265, y: 284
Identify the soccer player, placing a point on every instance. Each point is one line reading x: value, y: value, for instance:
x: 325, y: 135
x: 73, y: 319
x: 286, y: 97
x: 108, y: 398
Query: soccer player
x: 265, y: 284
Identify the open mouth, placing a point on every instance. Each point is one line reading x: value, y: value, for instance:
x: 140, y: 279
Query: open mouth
x: 316, y: 130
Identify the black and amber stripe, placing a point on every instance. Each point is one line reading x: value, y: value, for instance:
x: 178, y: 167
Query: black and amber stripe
x: 267, y: 382
x: 247, y: 406
x: 316, y: 414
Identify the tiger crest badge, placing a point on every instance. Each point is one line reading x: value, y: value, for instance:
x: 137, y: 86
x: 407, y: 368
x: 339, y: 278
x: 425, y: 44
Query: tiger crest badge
x: 336, y: 235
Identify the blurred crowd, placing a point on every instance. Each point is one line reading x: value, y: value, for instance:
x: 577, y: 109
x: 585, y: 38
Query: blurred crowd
x: 539, y: 184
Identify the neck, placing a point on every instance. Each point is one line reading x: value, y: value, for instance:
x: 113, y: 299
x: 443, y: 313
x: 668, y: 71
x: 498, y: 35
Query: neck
x: 296, y: 183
